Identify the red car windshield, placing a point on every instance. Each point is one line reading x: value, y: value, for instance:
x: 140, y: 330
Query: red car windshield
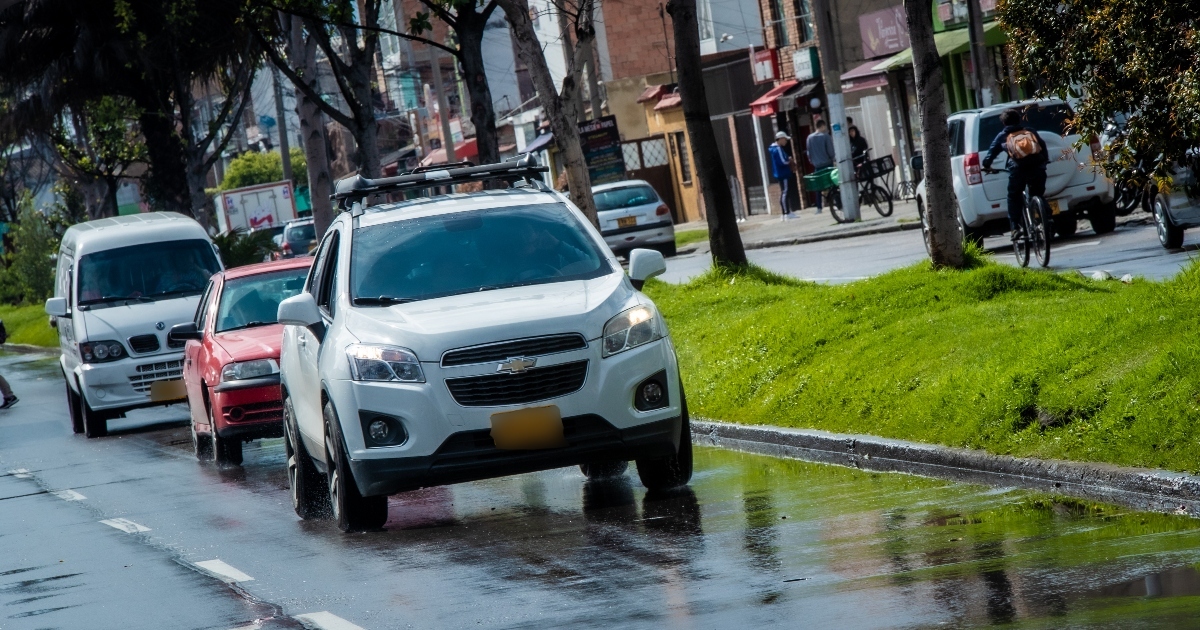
x: 254, y: 300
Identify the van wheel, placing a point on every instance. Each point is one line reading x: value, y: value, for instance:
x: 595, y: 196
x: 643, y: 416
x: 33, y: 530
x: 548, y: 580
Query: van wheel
x: 95, y: 423
x: 1169, y: 234
x: 309, y: 497
x: 1103, y: 218
x: 353, y: 511
x: 74, y: 408
x: 603, y: 470
x: 676, y: 470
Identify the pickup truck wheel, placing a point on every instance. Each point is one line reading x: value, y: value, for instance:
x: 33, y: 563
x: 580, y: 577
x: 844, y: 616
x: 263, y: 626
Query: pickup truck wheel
x: 309, y: 496
x: 74, y: 408
x: 1169, y: 234
x: 674, y: 471
x: 225, y: 450
x: 1103, y: 218
x: 603, y: 470
x: 353, y: 511
x: 95, y: 423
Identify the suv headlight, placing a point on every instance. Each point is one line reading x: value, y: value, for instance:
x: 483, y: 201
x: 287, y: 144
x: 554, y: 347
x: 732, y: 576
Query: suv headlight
x: 371, y: 362
x: 249, y: 369
x: 101, y: 351
x: 634, y: 327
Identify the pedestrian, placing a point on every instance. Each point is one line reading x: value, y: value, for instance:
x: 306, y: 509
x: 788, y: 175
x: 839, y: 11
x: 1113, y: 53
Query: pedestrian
x: 785, y: 174
x: 820, y: 151
x: 859, y: 149
x: 10, y: 399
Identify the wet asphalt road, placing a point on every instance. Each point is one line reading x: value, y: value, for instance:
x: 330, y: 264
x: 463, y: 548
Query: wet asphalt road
x: 753, y: 542
x: 1133, y: 248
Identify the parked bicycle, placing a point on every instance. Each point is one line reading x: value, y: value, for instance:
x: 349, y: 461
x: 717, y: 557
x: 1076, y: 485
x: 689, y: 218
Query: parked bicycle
x: 826, y: 182
x: 1037, y: 231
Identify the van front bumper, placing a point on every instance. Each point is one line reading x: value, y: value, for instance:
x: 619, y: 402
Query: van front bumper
x: 125, y: 384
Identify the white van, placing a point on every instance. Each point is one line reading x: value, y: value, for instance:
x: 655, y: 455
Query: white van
x: 120, y: 286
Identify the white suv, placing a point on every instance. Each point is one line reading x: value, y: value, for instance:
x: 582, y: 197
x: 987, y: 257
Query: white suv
x: 469, y: 336
x: 1075, y: 186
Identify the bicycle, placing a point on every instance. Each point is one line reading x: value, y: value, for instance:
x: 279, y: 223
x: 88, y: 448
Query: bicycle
x: 825, y: 183
x: 1037, y: 232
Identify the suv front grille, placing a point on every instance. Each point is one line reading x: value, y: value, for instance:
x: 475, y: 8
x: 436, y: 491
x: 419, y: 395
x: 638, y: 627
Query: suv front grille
x: 142, y: 344
x: 150, y: 372
x: 531, y: 347
x: 529, y: 386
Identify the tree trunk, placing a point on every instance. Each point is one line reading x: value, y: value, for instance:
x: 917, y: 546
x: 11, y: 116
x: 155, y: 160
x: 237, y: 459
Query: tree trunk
x: 365, y: 129
x: 562, y: 112
x: 470, y: 40
x: 312, y: 129
x: 945, y: 236
x: 723, y: 235
x: 166, y: 182
x: 111, y: 184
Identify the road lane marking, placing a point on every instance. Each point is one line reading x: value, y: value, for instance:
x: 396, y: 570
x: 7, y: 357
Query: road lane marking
x: 223, y: 571
x: 20, y: 473
x: 325, y: 620
x: 68, y: 495
x: 125, y: 525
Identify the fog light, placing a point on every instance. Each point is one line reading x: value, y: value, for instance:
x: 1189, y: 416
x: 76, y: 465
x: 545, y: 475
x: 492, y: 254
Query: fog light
x: 652, y: 393
x: 378, y: 430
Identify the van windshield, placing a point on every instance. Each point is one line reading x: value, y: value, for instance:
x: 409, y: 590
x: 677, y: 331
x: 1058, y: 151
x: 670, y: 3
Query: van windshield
x: 147, y: 272
x: 465, y: 252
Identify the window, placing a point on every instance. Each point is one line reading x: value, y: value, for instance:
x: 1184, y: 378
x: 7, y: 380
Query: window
x: 328, y: 279
x: 704, y: 19
x: 1052, y: 119
x: 254, y: 300
x: 956, y: 138
x: 679, y: 148
x: 804, y: 21
x: 202, y: 307
x: 145, y: 273
x: 778, y: 24
x: 625, y: 197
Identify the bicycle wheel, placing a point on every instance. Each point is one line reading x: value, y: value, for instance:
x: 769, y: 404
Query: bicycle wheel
x: 1021, y: 247
x: 833, y: 200
x: 1037, y: 214
x: 868, y: 196
x: 885, y: 200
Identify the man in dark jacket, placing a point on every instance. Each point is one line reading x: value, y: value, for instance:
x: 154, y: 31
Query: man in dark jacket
x: 1026, y: 165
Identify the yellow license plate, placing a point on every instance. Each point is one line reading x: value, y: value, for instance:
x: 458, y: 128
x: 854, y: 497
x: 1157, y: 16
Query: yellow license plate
x: 528, y: 429
x: 167, y: 390
x: 625, y: 222
x: 1053, y: 206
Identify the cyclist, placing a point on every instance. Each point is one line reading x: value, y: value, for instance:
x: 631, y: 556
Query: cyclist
x: 1027, y: 160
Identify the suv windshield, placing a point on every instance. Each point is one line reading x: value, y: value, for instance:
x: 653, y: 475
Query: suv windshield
x: 626, y: 197
x: 145, y: 272
x: 254, y: 300
x: 464, y: 252
x: 1051, y: 118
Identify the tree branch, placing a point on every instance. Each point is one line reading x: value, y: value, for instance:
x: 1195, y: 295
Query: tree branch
x: 442, y: 14
x: 315, y: 97
x: 379, y: 29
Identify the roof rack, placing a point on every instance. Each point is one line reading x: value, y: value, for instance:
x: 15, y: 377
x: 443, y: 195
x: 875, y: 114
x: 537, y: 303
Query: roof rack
x: 351, y: 189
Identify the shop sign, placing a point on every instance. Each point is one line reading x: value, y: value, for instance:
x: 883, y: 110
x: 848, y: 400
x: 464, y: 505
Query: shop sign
x: 601, y: 142
x: 953, y: 13
x: 884, y: 32
x: 806, y: 65
x: 766, y: 68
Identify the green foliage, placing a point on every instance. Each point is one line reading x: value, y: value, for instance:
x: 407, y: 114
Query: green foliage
x: 249, y: 169
x: 239, y: 247
x: 104, y: 139
x: 32, y: 260
x: 1138, y: 57
x: 994, y: 357
x: 28, y: 325
x: 687, y: 237
x: 69, y: 208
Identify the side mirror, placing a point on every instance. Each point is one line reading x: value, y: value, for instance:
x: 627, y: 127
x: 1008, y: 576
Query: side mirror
x: 184, y: 331
x: 917, y: 162
x: 645, y: 264
x: 57, y: 307
x: 299, y: 310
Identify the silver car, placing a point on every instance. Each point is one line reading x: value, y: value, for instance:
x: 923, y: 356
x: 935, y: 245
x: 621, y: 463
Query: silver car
x: 632, y: 215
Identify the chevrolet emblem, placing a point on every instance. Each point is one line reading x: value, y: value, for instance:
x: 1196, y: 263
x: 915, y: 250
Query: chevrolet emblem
x: 516, y: 365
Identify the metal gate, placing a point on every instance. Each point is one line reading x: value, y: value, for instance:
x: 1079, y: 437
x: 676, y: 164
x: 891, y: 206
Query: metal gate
x: 646, y: 158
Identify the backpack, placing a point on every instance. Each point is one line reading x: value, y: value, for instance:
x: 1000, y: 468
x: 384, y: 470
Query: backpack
x: 1022, y: 144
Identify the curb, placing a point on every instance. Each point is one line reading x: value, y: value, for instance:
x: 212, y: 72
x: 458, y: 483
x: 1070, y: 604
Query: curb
x: 817, y: 238
x: 1137, y: 488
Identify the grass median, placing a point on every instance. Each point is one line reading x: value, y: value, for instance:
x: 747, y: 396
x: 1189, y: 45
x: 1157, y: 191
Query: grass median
x: 1013, y: 361
x: 28, y: 325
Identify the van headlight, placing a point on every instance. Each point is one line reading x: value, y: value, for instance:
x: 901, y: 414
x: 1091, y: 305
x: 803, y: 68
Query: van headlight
x: 101, y: 351
x: 242, y: 370
x: 372, y: 362
x: 634, y: 327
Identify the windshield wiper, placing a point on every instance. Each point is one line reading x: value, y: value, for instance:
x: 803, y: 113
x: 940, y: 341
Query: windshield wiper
x: 247, y: 325
x: 116, y: 298
x: 383, y: 300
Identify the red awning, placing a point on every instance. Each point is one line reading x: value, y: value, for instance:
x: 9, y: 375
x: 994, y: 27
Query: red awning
x: 669, y: 101
x: 864, y: 77
x: 464, y: 150
x: 765, y: 104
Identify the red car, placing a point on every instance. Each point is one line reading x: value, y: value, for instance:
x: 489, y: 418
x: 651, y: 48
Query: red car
x: 231, y: 360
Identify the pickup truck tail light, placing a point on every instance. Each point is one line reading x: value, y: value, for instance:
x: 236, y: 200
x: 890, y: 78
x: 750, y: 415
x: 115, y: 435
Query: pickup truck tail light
x: 973, y: 169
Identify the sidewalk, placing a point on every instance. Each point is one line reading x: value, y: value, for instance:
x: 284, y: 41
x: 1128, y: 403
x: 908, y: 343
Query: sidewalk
x: 762, y: 231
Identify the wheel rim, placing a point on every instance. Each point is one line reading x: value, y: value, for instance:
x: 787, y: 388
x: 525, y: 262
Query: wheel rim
x: 292, y: 464
x: 334, y: 477
x: 924, y: 225
x: 1160, y: 222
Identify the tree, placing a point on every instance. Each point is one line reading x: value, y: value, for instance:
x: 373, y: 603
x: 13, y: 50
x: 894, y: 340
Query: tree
x: 239, y: 247
x: 1134, y: 57
x: 253, y: 168
x: 34, y: 243
x: 98, y: 148
x: 945, y: 235
x: 726, y: 241
x: 301, y: 49
x: 562, y: 107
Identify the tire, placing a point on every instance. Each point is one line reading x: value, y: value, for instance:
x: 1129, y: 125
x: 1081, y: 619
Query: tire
x: 225, y: 451
x: 603, y: 470
x: 869, y: 197
x: 1066, y: 224
x: 833, y: 199
x: 665, y: 473
x: 1103, y: 218
x: 1169, y: 234
x: 95, y: 423
x: 351, y: 510
x: 668, y: 249
x: 1021, y: 248
x: 202, y: 445
x: 969, y: 235
x: 1038, y: 215
x: 885, y: 200
x: 1128, y: 198
x: 74, y: 408
x: 310, y: 497
x: 924, y: 226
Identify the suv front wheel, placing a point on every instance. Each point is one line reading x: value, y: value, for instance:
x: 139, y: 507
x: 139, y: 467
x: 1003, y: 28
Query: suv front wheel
x: 670, y: 472
x: 352, y: 510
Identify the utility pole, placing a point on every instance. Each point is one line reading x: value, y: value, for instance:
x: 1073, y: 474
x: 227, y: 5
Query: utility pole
x: 836, y: 107
x: 662, y: 14
x: 985, y: 85
x: 285, y: 152
x: 435, y: 60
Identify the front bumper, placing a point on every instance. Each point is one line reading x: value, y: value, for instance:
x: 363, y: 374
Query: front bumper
x: 248, y: 409
x: 125, y: 384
